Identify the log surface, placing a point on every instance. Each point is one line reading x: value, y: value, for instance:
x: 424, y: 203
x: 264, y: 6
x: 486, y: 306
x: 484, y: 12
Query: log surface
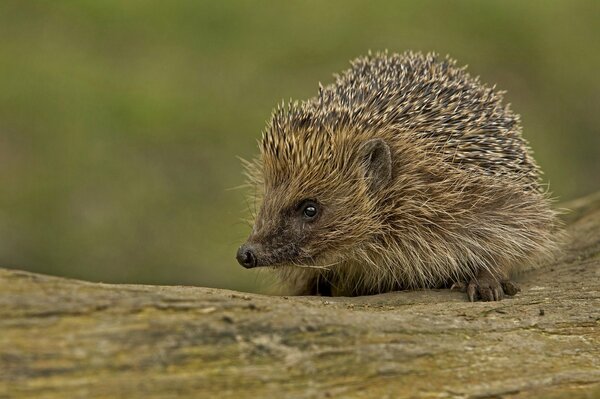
x: 62, y: 338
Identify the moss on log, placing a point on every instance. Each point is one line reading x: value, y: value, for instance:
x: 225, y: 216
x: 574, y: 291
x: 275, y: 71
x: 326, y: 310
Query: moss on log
x: 62, y: 338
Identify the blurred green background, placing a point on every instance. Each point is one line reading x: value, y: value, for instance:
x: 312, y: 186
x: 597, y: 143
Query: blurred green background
x: 120, y: 121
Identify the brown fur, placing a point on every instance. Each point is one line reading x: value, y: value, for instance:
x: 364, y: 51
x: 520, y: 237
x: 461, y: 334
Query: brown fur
x: 464, y: 193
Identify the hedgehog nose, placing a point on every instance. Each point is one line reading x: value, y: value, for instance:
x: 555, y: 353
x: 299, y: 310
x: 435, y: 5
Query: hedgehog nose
x: 246, y: 257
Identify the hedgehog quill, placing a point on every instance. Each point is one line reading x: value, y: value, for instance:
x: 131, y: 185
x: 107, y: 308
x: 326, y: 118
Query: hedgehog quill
x: 405, y: 173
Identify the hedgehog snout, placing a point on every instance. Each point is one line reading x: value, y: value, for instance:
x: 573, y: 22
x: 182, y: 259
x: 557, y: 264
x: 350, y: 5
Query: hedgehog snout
x: 246, y: 256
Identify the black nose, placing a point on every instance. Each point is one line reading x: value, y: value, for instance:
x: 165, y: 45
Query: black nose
x: 246, y: 257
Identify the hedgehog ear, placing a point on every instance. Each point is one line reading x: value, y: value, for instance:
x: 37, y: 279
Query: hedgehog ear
x: 377, y: 163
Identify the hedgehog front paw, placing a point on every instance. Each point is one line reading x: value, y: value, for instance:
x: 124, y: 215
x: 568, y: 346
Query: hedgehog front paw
x: 486, y: 287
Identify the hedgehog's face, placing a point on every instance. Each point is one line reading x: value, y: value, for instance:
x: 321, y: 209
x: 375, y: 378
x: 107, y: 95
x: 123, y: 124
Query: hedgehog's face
x: 317, y: 217
x: 284, y: 233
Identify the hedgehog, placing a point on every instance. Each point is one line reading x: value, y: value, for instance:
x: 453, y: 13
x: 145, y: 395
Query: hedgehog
x: 405, y: 173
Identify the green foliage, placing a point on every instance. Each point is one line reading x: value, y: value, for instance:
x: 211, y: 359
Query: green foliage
x: 120, y: 122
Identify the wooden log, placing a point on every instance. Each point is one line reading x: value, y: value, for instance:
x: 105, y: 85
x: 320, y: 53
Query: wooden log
x: 62, y: 338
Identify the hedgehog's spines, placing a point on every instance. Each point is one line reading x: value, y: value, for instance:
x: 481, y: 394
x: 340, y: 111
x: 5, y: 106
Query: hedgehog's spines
x: 466, y: 193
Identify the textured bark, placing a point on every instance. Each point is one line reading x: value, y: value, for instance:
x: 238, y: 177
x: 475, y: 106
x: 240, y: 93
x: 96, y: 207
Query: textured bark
x: 62, y: 338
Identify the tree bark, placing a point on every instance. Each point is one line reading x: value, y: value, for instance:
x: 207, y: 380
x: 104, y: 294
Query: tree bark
x: 62, y: 338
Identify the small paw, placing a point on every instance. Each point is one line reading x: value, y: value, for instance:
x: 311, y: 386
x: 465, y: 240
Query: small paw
x: 485, y: 289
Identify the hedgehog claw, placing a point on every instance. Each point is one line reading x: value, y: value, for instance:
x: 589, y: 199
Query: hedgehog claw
x: 471, y: 291
x: 486, y: 288
x: 459, y: 286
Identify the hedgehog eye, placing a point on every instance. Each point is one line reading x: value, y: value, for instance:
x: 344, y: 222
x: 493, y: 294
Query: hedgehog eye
x: 309, y: 210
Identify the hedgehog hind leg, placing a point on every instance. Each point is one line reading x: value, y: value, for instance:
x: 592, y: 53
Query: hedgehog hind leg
x: 488, y: 287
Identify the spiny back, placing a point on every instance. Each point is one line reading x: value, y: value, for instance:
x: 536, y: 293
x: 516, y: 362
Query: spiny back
x: 450, y: 112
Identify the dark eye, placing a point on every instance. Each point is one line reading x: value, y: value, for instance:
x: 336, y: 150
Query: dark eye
x: 310, y: 210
